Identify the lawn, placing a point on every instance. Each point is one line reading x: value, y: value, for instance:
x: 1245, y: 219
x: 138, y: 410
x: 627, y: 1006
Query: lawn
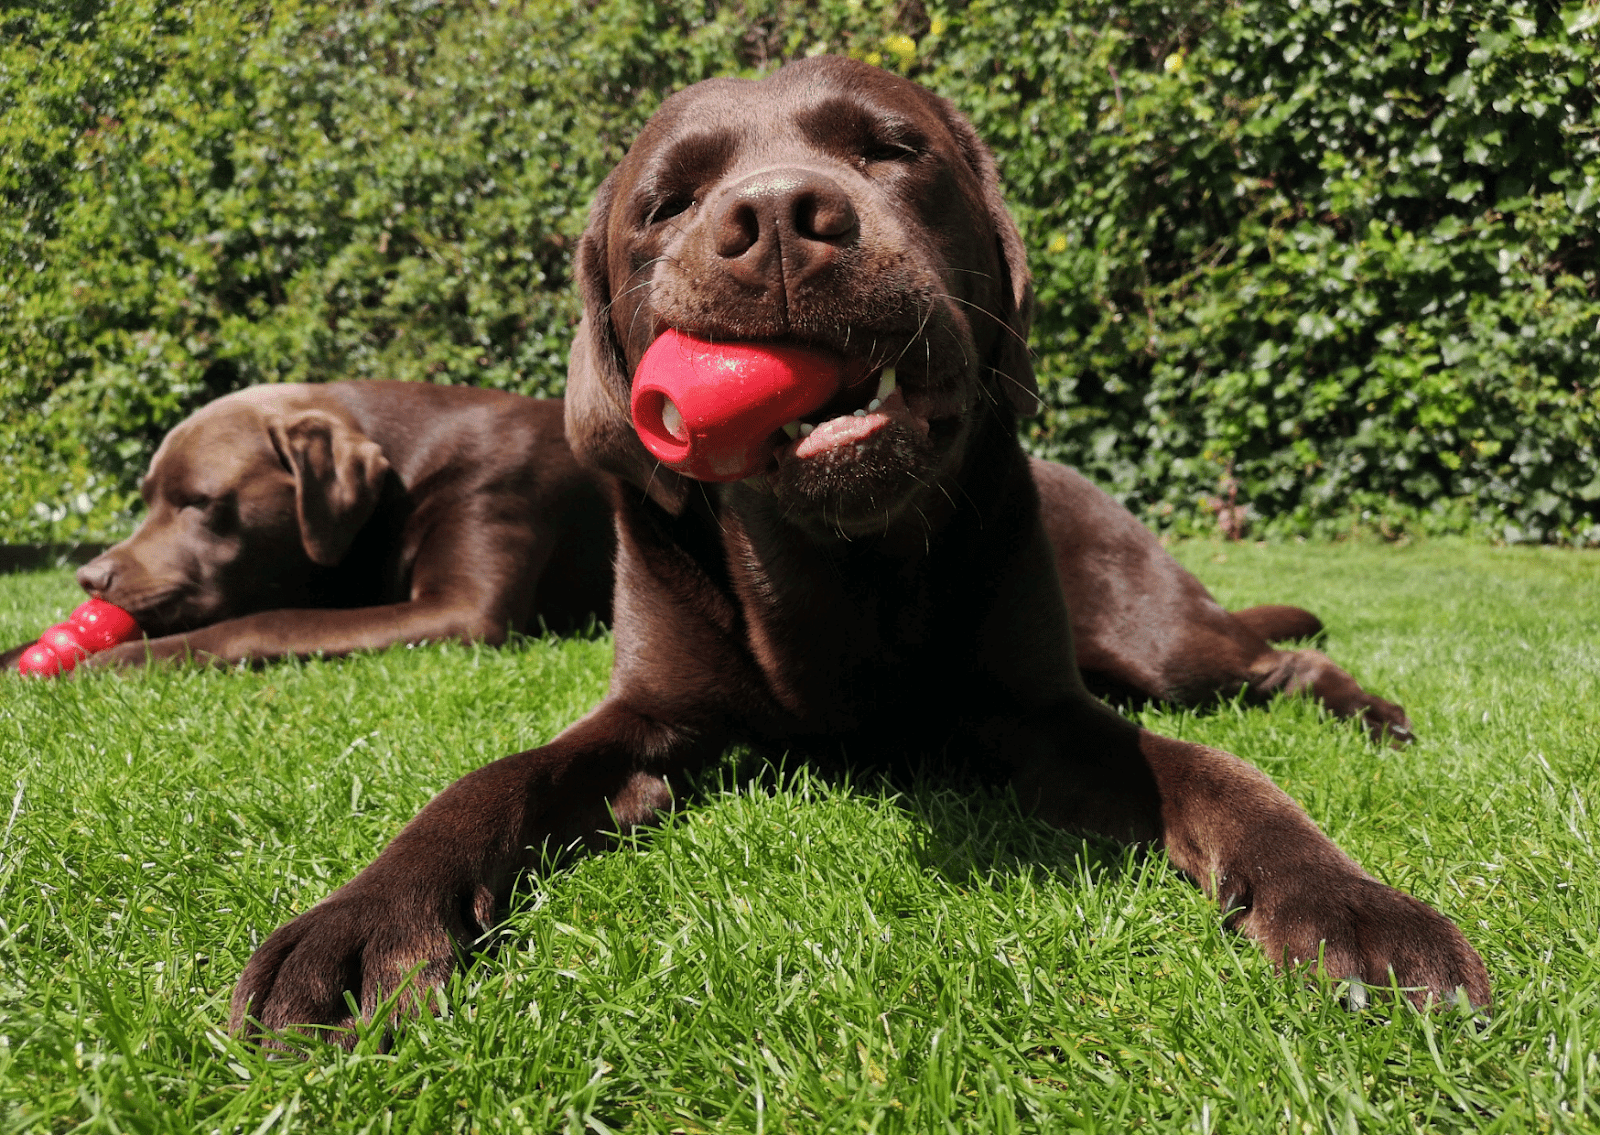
x: 801, y: 954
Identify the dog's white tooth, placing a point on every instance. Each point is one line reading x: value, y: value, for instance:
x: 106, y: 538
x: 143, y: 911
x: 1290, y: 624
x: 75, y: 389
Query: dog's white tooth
x: 672, y: 420
x: 806, y: 428
x: 886, y: 384
x: 792, y: 429
x: 874, y: 404
x: 860, y: 413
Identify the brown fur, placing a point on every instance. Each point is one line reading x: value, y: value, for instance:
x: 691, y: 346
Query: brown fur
x: 888, y: 600
x: 291, y: 519
x: 1145, y: 627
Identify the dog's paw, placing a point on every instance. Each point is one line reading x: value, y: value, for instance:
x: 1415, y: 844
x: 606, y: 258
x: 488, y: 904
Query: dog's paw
x: 1386, y: 723
x: 384, y: 949
x: 121, y: 656
x: 1353, y: 928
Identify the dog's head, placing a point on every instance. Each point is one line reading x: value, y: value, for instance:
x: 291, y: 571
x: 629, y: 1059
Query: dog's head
x: 832, y: 205
x: 246, y: 500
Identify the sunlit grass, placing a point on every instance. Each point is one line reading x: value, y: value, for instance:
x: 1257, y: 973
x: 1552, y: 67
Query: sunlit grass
x: 796, y: 953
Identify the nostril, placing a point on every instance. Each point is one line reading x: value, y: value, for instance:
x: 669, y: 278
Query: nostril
x: 787, y: 212
x: 95, y: 577
x: 738, y: 229
x: 824, y: 215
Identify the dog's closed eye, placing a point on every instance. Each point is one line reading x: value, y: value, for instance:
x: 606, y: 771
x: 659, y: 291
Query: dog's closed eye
x: 673, y: 184
x: 889, y: 151
x: 670, y: 206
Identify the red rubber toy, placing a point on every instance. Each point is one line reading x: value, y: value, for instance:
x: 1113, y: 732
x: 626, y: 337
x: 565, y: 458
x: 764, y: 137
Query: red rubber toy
x: 67, y: 642
x: 103, y: 624
x: 95, y: 626
x: 709, y: 410
x: 39, y: 661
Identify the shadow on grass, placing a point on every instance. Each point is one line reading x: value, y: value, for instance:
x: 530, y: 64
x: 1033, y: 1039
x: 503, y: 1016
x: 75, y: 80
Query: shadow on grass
x: 971, y: 828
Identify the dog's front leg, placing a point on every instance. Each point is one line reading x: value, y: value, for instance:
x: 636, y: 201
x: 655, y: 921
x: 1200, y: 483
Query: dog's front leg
x: 292, y: 633
x: 1277, y: 877
x: 399, y: 926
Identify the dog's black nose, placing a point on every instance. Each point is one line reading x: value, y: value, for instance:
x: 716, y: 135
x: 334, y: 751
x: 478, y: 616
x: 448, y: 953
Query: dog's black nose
x: 95, y: 576
x: 781, y: 226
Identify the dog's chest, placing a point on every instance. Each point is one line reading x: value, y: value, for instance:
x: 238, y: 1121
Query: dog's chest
x: 851, y: 643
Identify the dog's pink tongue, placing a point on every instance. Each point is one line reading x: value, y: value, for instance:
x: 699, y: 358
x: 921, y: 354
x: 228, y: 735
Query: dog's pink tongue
x: 709, y: 410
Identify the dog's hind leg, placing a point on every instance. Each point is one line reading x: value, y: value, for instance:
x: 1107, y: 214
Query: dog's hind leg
x: 1276, y: 622
x: 1312, y: 672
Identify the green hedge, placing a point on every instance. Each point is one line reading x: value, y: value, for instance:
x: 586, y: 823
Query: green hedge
x: 1337, y: 259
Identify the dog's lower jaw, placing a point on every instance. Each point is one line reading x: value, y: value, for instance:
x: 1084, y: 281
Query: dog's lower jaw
x: 886, y: 484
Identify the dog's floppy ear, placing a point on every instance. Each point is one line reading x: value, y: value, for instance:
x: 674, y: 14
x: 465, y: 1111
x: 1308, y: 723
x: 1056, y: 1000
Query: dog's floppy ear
x: 599, y: 423
x: 1012, y: 360
x: 338, y: 473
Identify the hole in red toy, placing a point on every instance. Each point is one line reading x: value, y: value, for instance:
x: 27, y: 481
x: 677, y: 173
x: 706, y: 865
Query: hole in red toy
x: 657, y: 417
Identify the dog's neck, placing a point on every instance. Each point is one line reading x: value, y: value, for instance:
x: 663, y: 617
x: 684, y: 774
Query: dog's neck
x: 824, y: 620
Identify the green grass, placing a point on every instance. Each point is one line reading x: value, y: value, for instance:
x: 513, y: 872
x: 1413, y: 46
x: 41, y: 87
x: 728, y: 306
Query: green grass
x: 795, y: 954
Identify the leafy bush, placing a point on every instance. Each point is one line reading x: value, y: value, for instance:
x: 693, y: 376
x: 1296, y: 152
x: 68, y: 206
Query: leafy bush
x: 1337, y: 256
x: 1341, y: 254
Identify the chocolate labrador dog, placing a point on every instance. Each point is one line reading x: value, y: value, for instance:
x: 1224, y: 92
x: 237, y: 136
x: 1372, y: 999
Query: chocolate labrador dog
x: 885, y: 588
x: 295, y: 519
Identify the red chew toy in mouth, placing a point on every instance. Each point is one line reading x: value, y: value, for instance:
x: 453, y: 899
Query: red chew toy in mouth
x: 95, y: 626
x: 709, y: 410
x: 103, y: 625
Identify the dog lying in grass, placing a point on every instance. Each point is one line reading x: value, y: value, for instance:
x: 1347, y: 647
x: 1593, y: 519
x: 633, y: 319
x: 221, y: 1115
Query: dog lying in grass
x: 290, y: 520
x: 885, y: 588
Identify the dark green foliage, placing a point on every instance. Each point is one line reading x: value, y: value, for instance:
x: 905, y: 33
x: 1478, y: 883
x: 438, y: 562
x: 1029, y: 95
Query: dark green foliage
x: 1345, y: 251
x: 1340, y: 256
